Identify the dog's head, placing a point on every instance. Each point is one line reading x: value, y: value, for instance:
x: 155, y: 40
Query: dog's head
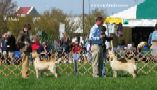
x: 35, y: 55
x: 129, y: 54
x: 111, y: 55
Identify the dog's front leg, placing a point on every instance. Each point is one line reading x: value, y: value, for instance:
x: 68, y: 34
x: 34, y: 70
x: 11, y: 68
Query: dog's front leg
x: 133, y: 75
x: 56, y: 75
x: 114, y: 73
x: 37, y: 73
x: 53, y: 71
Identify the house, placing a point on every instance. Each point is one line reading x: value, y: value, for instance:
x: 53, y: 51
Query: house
x: 24, y: 11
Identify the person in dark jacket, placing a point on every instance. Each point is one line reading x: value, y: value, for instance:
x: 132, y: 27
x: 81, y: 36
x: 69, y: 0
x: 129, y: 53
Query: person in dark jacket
x: 23, y: 39
x: 24, y: 44
x: 4, y: 47
x: 11, y: 46
x: 44, y: 50
x: 4, y: 43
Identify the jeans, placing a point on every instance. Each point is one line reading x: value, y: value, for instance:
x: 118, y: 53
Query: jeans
x: 76, y: 57
x: 102, y: 71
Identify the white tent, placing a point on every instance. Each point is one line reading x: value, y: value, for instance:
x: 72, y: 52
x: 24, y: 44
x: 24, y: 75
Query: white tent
x: 131, y: 16
x: 126, y: 14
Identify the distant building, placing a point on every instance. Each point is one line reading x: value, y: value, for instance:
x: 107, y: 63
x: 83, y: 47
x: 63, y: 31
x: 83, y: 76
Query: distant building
x: 76, y: 21
x: 24, y: 11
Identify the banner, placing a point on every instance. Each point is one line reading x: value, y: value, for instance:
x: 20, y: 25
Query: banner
x: 111, y: 20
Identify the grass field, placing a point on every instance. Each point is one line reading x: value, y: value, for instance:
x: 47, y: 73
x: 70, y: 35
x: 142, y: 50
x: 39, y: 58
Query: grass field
x: 80, y: 82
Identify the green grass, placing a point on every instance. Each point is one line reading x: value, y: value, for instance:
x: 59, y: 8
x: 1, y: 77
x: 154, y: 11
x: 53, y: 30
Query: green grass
x: 80, y: 82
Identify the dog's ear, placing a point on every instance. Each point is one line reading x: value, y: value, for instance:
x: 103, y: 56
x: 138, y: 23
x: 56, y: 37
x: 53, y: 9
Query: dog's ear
x: 111, y: 59
x: 110, y: 48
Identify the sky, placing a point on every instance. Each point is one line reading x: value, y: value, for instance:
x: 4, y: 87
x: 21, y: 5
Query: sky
x: 75, y: 6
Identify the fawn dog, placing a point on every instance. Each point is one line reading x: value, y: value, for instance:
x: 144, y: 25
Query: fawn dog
x: 117, y: 65
x: 44, y: 65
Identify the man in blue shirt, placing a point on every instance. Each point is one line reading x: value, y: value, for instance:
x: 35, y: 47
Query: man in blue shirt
x: 95, y: 38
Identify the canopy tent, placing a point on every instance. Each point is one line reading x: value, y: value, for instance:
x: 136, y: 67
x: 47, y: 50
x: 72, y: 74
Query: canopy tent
x: 143, y: 14
x: 126, y: 14
x: 147, y: 10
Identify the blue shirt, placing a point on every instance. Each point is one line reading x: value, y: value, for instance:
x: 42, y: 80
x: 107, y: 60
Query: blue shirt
x: 154, y: 36
x: 95, y: 34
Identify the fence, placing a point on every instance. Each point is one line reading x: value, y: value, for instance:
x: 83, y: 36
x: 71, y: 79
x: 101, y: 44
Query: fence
x: 146, y: 64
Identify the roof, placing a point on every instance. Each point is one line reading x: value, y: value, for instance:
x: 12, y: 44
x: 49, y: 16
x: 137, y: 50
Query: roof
x: 147, y: 10
x: 24, y: 10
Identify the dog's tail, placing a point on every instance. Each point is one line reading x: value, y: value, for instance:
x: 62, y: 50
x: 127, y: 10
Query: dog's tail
x: 132, y: 61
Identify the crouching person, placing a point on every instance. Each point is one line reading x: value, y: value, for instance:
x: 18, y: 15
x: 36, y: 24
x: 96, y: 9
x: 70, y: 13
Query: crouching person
x: 24, y: 44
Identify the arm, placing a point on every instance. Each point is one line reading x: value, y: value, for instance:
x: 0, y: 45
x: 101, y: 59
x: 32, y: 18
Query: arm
x: 45, y: 49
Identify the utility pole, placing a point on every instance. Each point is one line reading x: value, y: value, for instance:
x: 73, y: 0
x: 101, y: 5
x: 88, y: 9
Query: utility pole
x: 83, y: 15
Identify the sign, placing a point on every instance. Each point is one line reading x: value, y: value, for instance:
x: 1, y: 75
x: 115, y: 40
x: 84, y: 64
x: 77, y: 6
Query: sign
x: 125, y: 21
x: 61, y: 30
x: 111, y: 28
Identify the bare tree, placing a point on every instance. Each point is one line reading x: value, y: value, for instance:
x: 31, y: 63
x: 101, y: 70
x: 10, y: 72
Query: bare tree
x: 50, y: 21
x: 90, y: 19
x: 7, y: 7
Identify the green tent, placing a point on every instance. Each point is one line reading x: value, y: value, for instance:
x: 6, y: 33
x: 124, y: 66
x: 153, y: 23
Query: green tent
x: 147, y: 10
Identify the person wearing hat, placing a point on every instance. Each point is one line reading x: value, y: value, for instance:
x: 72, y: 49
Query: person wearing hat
x: 96, y: 41
x: 24, y: 44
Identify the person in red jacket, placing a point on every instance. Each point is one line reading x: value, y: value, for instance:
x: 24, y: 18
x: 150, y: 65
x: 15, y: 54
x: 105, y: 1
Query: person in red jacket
x: 76, y: 49
x: 35, y: 44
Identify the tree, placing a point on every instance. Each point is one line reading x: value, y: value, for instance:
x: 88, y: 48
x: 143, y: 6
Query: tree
x: 50, y: 21
x: 90, y: 19
x: 17, y: 26
x: 7, y: 7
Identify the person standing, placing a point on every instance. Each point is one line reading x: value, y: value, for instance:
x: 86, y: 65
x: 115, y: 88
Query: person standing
x: 96, y: 41
x: 154, y: 42
x: 76, y: 49
x: 4, y: 47
x: 104, y: 38
x: 24, y: 44
x: 11, y: 46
